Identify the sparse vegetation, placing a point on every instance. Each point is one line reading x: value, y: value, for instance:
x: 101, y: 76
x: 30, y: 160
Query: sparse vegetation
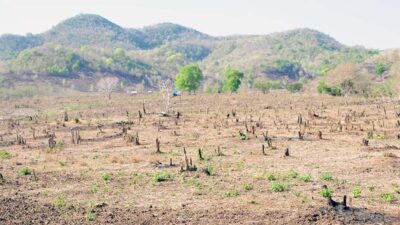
x: 325, y: 176
x: 232, y: 192
x: 24, y: 171
x: 161, y: 176
x: 277, y: 187
x: 4, y: 155
x: 326, y: 192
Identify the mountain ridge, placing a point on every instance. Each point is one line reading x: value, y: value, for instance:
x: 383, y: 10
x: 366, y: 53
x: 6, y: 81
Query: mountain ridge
x: 86, y: 45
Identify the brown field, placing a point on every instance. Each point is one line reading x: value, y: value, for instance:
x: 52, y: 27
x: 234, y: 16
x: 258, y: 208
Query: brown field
x: 109, y: 179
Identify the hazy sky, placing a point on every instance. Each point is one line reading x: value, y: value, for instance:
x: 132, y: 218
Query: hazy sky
x: 372, y: 23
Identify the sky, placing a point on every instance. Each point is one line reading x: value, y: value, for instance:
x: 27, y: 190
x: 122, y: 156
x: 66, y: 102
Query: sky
x: 370, y: 23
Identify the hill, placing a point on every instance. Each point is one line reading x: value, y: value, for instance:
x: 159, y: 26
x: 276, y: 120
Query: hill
x: 86, y: 45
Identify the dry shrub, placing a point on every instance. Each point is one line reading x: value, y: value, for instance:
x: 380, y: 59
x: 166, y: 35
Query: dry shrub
x: 136, y: 159
x: 388, y: 154
x: 83, y: 163
x: 115, y: 159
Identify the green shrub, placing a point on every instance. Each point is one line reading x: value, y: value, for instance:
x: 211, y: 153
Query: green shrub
x: 277, y: 187
x: 305, y: 178
x: 89, y: 216
x: 161, y: 176
x: 325, y: 89
x: 292, y: 174
x: 356, y: 191
x: 60, y: 204
x: 105, y: 177
x: 380, y: 69
x: 209, y: 170
x: 326, y: 192
x: 231, y: 193
x: 294, y: 87
x: 325, y: 176
x: 387, y: 197
x: 371, y: 187
x: 270, y: 177
x: 4, y: 155
x: 24, y: 171
x: 247, y: 187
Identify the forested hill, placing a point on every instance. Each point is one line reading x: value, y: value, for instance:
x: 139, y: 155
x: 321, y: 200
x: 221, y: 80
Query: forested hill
x: 83, y: 48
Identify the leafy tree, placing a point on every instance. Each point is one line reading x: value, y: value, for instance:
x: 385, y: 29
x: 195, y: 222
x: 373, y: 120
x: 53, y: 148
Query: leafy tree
x: 263, y: 85
x: 294, y: 87
x: 233, y: 79
x: 325, y: 89
x: 188, y: 78
x: 379, y: 69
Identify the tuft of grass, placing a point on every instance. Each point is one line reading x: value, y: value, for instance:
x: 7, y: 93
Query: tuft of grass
x: 387, y: 197
x: 24, y: 171
x: 370, y: 187
x: 325, y: 176
x: 356, y: 191
x: 305, y: 178
x: 95, y: 188
x: 270, y: 177
x: 292, y: 174
x: 89, y: 216
x: 326, y: 192
x: 60, y: 204
x: 105, y: 177
x: 209, y: 170
x: 277, y: 187
x: 231, y: 193
x: 247, y: 187
x: 161, y: 176
x: 4, y: 155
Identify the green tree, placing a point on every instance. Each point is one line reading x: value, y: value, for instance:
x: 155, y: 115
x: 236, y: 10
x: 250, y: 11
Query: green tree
x: 233, y: 79
x: 188, y: 78
x: 263, y: 85
x: 294, y: 87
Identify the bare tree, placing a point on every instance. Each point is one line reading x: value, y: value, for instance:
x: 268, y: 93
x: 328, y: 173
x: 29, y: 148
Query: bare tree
x: 107, y: 85
x: 166, y: 92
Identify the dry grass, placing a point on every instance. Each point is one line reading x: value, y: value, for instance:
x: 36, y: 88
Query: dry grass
x: 105, y: 168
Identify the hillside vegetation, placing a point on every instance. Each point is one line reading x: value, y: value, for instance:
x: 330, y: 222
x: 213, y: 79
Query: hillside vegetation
x: 86, y: 47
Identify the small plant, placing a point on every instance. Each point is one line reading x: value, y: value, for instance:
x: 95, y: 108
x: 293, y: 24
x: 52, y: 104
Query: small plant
x: 292, y: 174
x: 325, y: 176
x: 243, y: 136
x: 4, y: 155
x: 24, y: 171
x: 95, y: 188
x: 161, y: 176
x: 277, y: 187
x: 326, y: 192
x: 305, y: 178
x: 60, y: 204
x: 387, y: 197
x: 270, y: 177
x: 198, y: 184
x: 356, y: 191
x: 89, y: 216
x: 136, y: 178
x: 370, y: 187
x: 105, y: 177
x: 231, y: 193
x: 209, y: 170
x: 397, y: 189
x: 247, y: 187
